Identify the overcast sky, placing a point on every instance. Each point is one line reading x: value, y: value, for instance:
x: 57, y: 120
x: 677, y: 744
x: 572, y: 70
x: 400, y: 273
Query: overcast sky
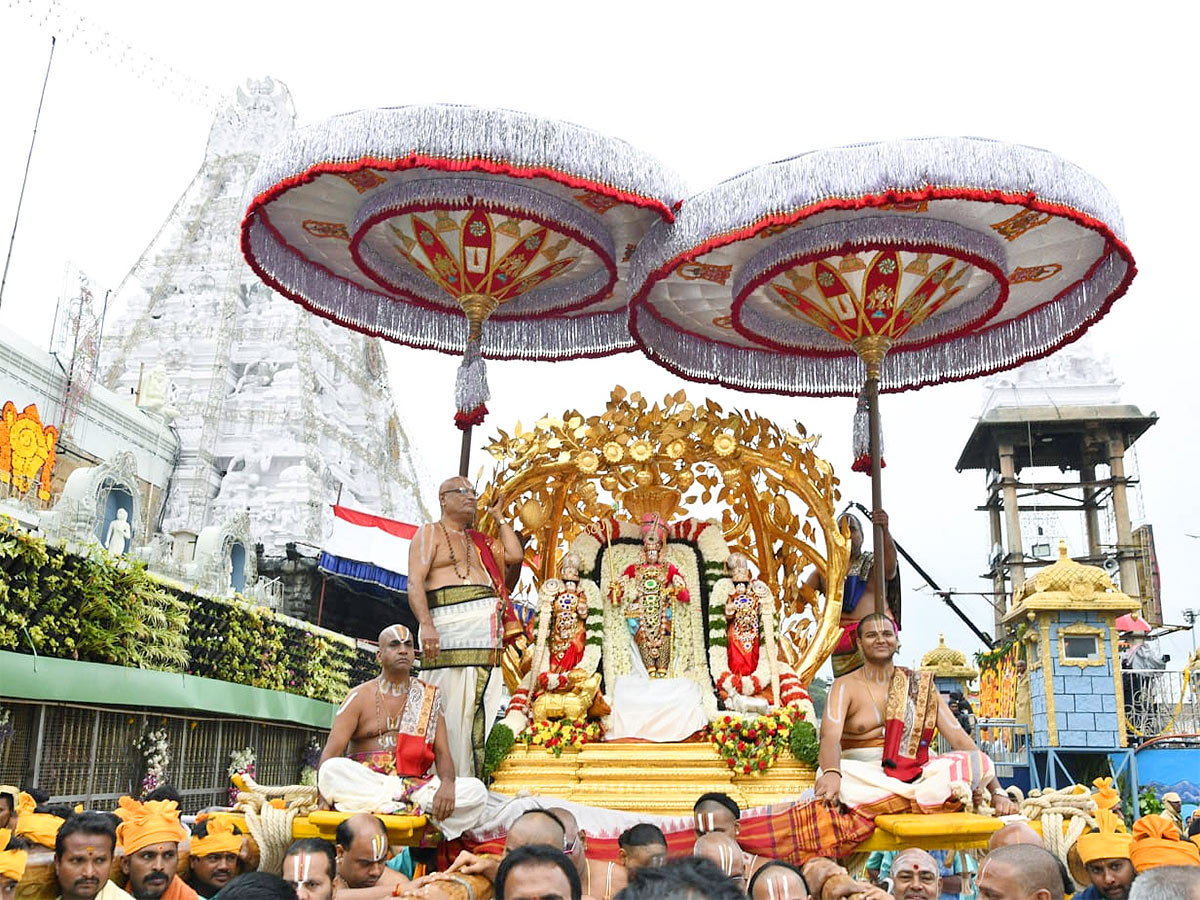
x: 711, y: 89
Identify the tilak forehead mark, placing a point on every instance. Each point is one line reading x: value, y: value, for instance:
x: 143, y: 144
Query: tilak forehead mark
x: 301, y: 866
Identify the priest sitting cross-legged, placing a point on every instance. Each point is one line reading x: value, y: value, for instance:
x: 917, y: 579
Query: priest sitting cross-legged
x: 874, y: 754
x: 395, y: 729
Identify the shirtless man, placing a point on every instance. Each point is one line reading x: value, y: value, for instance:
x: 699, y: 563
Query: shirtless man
x: 856, y: 714
x: 394, y: 725
x: 600, y: 880
x: 456, y: 586
x: 858, y: 596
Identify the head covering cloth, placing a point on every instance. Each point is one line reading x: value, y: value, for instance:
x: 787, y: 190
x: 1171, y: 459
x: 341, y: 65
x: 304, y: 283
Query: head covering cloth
x: 143, y: 824
x: 1156, y: 843
x: 12, y: 862
x: 41, y: 828
x: 220, y: 838
x: 1108, y: 841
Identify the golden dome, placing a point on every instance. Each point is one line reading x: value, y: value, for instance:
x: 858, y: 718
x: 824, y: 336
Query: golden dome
x: 946, y: 662
x: 1071, y: 579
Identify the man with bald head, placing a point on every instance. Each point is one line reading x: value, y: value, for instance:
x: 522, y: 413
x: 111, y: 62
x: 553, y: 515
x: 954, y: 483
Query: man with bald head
x: 394, y: 726
x: 361, y: 850
x: 916, y: 875
x: 457, y: 591
x: 722, y: 849
x: 1020, y: 872
x: 1014, y: 833
x: 601, y: 880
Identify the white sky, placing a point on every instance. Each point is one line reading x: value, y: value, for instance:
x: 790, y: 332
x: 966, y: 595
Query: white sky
x: 712, y: 89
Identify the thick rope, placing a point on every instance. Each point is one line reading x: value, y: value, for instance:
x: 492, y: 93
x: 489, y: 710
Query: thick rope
x: 1074, y: 805
x: 271, y: 829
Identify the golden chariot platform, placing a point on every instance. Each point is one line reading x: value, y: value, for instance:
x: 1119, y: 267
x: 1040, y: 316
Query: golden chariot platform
x: 657, y: 779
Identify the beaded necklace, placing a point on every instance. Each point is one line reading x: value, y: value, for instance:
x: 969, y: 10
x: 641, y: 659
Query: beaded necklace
x: 465, y: 576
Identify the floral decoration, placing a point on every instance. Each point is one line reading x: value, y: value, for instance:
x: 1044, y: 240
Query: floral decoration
x: 156, y: 754
x: 241, y: 762
x: 750, y: 745
x: 561, y: 734
x: 310, y: 758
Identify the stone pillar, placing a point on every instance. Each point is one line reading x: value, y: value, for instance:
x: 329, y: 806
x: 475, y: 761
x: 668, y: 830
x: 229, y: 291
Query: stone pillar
x: 1120, y: 501
x: 999, y: 589
x: 1016, y: 552
x: 1091, y: 513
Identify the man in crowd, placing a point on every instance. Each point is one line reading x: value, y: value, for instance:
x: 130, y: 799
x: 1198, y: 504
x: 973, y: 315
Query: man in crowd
x: 537, y: 872
x: 362, y: 854
x: 874, y: 752
x: 83, y: 852
x: 149, y: 836
x: 1020, y: 872
x: 12, y: 865
x: 1105, y: 854
x: 309, y: 866
x: 213, y: 855
x: 534, y: 826
x: 1168, y: 883
x: 1156, y: 843
x: 717, y: 812
x: 456, y: 585
x: 722, y: 850
x: 858, y: 594
x: 1173, y: 810
x: 916, y: 875
x: 601, y: 880
x: 691, y: 877
x: 8, y: 805
x: 395, y: 726
x: 777, y: 880
x: 642, y: 846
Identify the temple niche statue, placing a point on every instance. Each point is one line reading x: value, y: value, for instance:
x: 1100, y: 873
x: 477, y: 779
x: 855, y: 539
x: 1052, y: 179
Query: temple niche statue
x: 119, y: 534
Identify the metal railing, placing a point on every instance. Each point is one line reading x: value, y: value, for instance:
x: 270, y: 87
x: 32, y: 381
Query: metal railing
x: 1006, y: 741
x: 88, y: 754
x: 1159, y: 702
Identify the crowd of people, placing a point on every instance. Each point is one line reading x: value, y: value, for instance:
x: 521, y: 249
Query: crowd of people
x: 142, y: 850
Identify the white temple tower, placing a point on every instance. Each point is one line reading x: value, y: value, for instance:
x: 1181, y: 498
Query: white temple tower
x: 276, y: 409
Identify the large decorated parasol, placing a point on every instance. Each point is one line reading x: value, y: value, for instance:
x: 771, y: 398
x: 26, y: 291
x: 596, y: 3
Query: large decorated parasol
x: 421, y: 224
x: 883, y: 266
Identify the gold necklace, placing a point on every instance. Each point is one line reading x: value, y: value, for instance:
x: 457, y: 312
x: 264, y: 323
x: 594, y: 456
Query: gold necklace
x: 465, y: 576
x: 881, y: 709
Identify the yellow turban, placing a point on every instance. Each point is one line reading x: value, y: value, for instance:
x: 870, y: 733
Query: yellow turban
x: 1106, y: 796
x: 1156, y: 843
x: 143, y: 824
x: 12, y: 862
x: 218, y: 839
x: 41, y: 828
x: 1108, y: 841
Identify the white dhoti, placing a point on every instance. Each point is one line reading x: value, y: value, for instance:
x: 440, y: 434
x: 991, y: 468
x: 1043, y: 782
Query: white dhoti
x: 949, y: 776
x: 460, y: 689
x: 655, y: 709
x: 353, y: 788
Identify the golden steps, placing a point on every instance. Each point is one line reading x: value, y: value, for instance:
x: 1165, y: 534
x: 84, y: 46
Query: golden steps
x: 659, y: 779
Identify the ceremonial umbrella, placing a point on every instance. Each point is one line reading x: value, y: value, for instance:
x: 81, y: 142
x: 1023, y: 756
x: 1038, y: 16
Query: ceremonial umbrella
x: 419, y: 224
x: 884, y: 266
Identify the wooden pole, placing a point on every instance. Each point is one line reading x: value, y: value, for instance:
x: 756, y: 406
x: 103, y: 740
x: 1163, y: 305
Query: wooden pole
x: 879, y: 570
x: 464, y: 456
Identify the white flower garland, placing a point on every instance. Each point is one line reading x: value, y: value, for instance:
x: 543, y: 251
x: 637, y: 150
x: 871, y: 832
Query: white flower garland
x: 156, y: 752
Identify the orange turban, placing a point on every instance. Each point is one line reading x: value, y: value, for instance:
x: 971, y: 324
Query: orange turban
x: 1108, y: 841
x: 12, y: 862
x: 143, y: 824
x: 41, y: 828
x: 1156, y: 843
x: 218, y: 839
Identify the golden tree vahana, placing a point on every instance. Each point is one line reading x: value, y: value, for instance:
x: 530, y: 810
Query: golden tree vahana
x: 777, y: 497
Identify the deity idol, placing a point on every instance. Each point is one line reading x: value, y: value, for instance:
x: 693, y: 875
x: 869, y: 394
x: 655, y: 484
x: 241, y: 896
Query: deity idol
x: 648, y: 591
x: 744, y: 654
x: 562, y: 679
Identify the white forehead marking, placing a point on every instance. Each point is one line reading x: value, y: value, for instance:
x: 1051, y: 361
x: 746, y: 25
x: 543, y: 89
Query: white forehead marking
x: 378, y: 846
x: 301, y: 866
x: 399, y: 633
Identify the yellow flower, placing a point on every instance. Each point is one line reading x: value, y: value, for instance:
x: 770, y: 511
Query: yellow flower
x: 641, y: 450
x: 587, y: 462
x: 724, y: 444
x: 675, y: 449
x: 613, y: 452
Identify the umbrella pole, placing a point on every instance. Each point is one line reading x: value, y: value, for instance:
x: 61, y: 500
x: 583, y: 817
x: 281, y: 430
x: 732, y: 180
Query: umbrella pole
x: 872, y: 349
x: 464, y: 456
x: 878, y: 572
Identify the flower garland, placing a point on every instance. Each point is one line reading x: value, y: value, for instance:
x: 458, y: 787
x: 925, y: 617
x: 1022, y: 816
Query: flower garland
x: 7, y: 730
x: 241, y: 762
x: 310, y: 758
x: 764, y: 673
x: 156, y: 753
x: 751, y: 745
x: 558, y: 735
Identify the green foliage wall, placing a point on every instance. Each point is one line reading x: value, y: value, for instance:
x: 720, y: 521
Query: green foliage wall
x: 99, y: 609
